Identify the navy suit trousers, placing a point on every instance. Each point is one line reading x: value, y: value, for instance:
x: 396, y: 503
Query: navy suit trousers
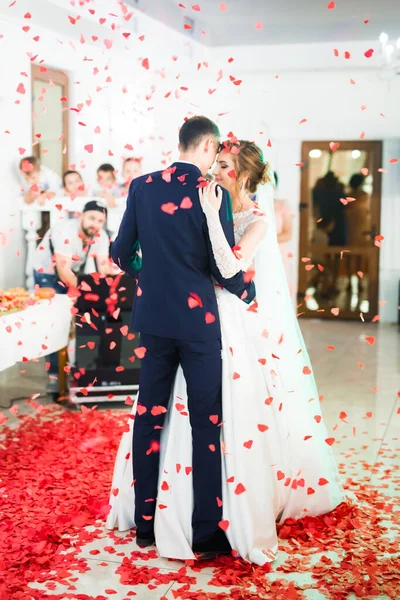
x: 202, y: 367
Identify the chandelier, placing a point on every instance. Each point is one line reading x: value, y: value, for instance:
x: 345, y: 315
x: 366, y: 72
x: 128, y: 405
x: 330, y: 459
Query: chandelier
x: 390, y: 56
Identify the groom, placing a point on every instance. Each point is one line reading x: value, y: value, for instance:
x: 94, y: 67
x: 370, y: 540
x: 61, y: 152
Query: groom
x: 176, y: 313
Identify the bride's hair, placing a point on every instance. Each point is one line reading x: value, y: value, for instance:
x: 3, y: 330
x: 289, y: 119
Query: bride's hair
x: 249, y: 163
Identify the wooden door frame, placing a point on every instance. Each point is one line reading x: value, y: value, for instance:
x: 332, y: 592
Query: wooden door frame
x: 374, y: 147
x: 61, y: 78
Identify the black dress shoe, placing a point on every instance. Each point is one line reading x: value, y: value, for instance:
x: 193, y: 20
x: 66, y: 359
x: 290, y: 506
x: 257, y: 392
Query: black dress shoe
x: 210, y: 547
x: 144, y: 538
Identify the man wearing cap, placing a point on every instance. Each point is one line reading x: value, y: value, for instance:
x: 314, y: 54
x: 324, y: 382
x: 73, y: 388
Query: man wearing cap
x: 70, y: 248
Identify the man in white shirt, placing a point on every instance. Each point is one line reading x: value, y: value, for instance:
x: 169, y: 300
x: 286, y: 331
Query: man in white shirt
x: 70, y: 248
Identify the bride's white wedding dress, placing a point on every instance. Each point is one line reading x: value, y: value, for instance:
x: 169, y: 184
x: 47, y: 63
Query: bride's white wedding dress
x: 277, y: 460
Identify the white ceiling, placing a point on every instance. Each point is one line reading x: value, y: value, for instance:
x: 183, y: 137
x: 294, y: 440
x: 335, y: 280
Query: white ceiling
x: 283, y: 21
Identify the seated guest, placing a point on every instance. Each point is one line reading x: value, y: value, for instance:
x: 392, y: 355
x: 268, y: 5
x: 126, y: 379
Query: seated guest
x: 131, y: 169
x: 37, y: 181
x: 107, y: 187
x: 73, y: 184
x: 68, y: 250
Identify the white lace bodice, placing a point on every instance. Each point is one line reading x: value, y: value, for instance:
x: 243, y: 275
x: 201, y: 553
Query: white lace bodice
x: 249, y: 228
x: 242, y: 220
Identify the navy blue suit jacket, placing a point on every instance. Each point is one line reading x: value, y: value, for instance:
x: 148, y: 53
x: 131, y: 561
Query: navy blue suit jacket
x: 177, y: 258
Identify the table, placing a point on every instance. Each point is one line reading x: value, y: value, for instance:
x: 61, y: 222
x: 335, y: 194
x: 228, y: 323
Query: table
x: 36, y: 331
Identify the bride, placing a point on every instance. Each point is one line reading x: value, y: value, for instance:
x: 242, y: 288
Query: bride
x: 277, y: 460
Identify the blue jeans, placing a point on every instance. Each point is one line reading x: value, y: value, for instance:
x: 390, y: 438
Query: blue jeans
x: 46, y: 280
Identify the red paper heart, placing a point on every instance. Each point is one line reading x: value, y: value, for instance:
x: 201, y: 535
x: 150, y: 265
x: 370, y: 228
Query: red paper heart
x: 248, y: 444
x: 239, y: 489
x: 169, y: 208
x: 140, y: 352
x: 223, y: 525
x: 192, y: 302
x: 209, y: 318
x: 186, y: 203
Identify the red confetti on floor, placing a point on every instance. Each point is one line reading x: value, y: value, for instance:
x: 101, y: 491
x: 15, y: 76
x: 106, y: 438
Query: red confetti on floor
x: 56, y: 472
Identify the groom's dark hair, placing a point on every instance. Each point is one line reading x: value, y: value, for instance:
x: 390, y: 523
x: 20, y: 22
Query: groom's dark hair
x: 194, y: 130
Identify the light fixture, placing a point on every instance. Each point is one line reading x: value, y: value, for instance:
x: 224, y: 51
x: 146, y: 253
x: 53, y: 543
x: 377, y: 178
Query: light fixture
x: 355, y: 154
x: 390, y: 56
x: 315, y: 153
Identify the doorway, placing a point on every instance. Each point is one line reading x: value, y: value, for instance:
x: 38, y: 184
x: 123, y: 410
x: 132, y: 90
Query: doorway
x: 50, y: 117
x: 339, y: 222
x: 50, y: 108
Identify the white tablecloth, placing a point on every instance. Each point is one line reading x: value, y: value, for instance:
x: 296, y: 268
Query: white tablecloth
x: 35, y: 331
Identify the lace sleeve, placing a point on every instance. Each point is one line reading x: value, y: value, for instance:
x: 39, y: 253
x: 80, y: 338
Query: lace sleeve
x: 231, y: 261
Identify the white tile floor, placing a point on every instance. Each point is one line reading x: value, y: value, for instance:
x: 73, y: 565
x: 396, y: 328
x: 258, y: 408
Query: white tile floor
x: 356, y: 378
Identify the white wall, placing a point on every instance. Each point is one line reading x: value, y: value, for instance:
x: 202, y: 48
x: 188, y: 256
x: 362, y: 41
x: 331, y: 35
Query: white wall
x: 129, y: 109
x: 280, y: 86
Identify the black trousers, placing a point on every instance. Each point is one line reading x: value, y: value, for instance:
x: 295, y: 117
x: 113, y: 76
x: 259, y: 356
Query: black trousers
x: 202, y: 367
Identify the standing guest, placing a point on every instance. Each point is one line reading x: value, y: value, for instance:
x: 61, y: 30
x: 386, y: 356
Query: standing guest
x: 38, y: 183
x: 358, y: 213
x: 73, y: 184
x: 107, y: 185
x: 68, y: 250
x: 358, y: 217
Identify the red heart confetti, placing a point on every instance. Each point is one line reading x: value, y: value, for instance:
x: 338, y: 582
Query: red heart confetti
x: 169, y: 208
x: 223, y: 525
x: 186, y: 203
x: 209, y: 318
x: 239, y: 489
x: 140, y: 352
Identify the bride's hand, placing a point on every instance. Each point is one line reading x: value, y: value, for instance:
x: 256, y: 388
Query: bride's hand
x: 211, y: 194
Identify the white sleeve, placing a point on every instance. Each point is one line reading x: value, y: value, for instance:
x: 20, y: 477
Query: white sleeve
x: 62, y: 240
x: 232, y: 260
x: 102, y: 245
